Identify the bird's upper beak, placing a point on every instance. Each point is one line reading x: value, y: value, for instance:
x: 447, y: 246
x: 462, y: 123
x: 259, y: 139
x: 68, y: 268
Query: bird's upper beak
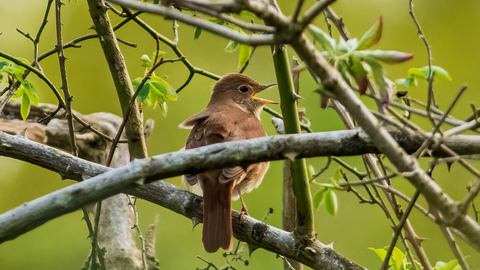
x: 260, y: 89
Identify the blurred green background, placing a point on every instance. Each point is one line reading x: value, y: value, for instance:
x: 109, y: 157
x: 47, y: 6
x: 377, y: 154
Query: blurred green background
x: 451, y: 28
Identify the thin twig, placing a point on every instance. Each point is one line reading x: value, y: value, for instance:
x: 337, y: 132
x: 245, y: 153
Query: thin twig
x: 93, y: 252
x: 313, y: 12
x: 369, y: 181
x: 63, y: 73
x: 329, y: 160
x: 453, y: 245
x: 398, y: 229
x: 431, y: 97
x: 338, y: 22
x: 436, y: 127
x: 297, y: 10
x: 140, y: 235
x: 475, y: 212
x: 359, y: 175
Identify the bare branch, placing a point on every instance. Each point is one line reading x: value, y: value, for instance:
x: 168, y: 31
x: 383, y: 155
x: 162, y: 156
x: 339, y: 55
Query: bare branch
x: 63, y: 73
x: 252, y: 40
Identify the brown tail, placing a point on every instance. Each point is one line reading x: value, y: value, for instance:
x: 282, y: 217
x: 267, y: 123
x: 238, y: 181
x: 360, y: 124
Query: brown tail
x: 217, y: 219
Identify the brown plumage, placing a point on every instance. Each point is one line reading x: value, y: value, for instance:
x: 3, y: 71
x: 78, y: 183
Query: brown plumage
x: 233, y: 113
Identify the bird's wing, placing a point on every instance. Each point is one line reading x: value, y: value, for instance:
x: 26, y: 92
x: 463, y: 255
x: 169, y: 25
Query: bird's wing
x: 210, y: 128
x: 248, y: 123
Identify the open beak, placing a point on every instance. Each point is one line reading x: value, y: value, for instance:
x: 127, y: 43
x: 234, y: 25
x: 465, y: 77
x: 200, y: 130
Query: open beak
x: 261, y: 88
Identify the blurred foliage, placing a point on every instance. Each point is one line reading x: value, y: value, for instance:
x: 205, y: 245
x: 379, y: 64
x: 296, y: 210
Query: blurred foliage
x: 62, y: 243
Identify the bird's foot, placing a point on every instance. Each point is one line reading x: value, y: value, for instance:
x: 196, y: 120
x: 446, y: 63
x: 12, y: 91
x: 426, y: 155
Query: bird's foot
x: 243, y: 212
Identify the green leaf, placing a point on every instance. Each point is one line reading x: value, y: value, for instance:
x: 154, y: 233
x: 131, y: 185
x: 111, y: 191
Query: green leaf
x: 14, y: 71
x: 159, y: 55
x: 25, y: 107
x: 244, y: 55
x: 30, y: 92
x: 171, y: 94
x: 155, y: 96
x: 247, y: 13
x: 352, y: 43
x: 231, y: 46
x: 143, y: 94
x: 410, y: 81
x: 439, y: 72
x: 371, y: 37
x: 344, y: 70
x: 331, y: 203
x: 146, y: 61
x: 359, y: 73
x: 387, y: 57
x: 197, y: 32
x: 342, y: 46
x: 417, y: 73
x: 167, y: 90
x: 217, y: 21
x: 380, y: 252
x: 319, y: 197
x: 163, y: 108
x: 383, y: 84
x: 338, y: 174
x: 398, y: 257
x: 19, y: 92
x: 451, y: 265
x: 4, y: 63
x: 158, y: 87
x: 327, y: 43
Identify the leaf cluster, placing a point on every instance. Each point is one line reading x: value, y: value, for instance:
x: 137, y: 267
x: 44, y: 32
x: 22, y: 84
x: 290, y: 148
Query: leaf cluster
x: 156, y: 90
x: 398, y: 261
x: 326, y: 196
x: 355, y: 63
x: 10, y: 73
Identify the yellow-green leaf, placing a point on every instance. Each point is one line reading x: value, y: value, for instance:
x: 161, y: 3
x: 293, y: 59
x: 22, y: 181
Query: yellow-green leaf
x: 197, y: 32
x: 380, y: 252
x: 371, y: 37
x: 397, y: 256
x: 319, y: 197
x: 331, y: 203
x: 439, y: 72
x: 231, y: 46
x: 30, y: 91
x: 327, y: 43
x: 25, y: 107
x: 244, y: 55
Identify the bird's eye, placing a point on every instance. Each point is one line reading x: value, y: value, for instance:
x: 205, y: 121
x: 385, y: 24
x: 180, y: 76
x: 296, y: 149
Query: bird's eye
x: 243, y: 89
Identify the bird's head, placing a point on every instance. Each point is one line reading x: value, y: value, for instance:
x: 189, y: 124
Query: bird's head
x: 241, y: 90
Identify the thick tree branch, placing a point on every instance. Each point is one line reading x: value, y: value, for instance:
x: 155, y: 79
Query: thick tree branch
x: 116, y: 63
x: 35, y: 213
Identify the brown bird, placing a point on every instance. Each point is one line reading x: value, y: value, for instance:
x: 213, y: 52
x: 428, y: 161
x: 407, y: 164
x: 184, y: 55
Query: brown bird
x: 233, y: 113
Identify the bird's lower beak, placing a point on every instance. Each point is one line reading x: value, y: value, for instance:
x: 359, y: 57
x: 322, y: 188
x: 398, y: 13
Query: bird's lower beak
x: 263, y: 87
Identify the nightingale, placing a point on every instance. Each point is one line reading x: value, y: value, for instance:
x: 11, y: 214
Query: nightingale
x: 233, y: 113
